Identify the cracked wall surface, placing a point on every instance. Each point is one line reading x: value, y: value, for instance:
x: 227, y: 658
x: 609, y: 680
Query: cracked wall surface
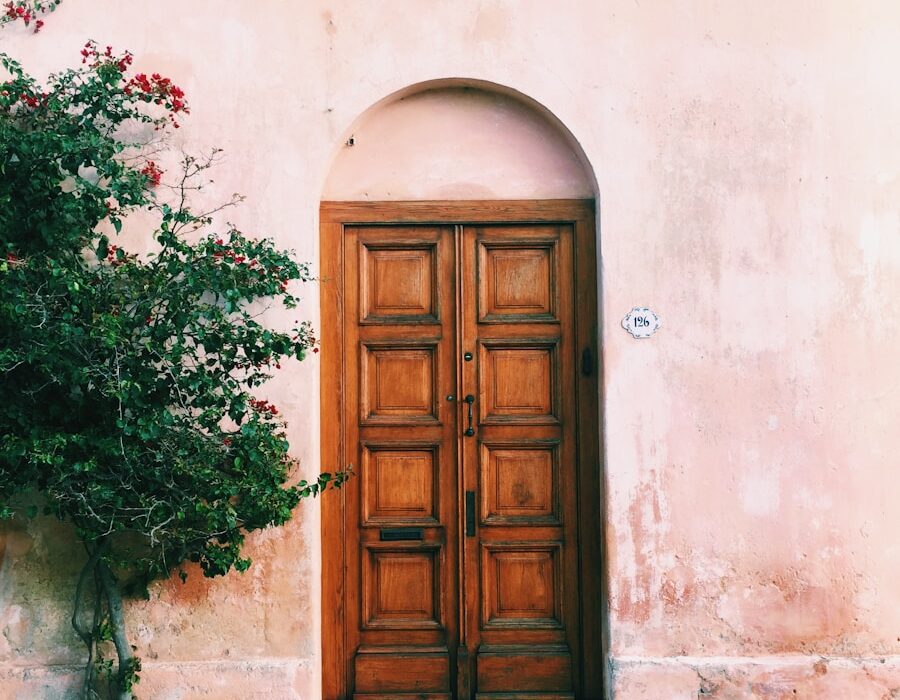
x: 746, y: 166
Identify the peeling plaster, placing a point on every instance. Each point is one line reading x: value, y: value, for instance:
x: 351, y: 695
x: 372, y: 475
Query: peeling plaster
x: 756, y: 678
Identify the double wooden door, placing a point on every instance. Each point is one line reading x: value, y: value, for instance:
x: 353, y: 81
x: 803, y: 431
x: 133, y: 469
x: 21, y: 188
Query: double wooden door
x: 462, y: 571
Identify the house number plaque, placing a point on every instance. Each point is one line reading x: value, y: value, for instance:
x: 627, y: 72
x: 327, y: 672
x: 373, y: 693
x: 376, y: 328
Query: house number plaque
x: 641, y: 322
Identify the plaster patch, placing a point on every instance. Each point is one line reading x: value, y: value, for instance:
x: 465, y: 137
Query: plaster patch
x: 14, y: 625
x: 760, y: 490
x: 879, y: 240
x: 808, y: 500
x: 879, y: 244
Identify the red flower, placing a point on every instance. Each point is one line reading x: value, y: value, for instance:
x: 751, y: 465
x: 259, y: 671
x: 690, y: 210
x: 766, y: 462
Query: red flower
x: 264, y: 407
x: 152, y: 172
x: 29, y: 100
x: 112, y: 257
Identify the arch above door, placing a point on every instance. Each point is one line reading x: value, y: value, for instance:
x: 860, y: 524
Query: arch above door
x: 458, y: 139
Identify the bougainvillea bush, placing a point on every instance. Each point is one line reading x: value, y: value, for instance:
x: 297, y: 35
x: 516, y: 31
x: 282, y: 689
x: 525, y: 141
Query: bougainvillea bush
x: 132, y: 400
x: 28, y: 12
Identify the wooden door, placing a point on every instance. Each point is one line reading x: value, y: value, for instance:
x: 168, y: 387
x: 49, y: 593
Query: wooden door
x: 463, y: 574
x: 521, y: 584
x: 399, y: 330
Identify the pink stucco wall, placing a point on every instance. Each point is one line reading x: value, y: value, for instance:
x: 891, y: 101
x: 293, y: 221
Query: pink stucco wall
x: 745, y: 157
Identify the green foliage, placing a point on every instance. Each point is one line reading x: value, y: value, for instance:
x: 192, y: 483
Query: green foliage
x: 127, y: 382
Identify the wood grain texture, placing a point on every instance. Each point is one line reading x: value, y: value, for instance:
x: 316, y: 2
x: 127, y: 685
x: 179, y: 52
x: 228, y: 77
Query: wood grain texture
x: 383, y: 672
x: 459, y: 212
x: 519, y: 483
x: 398, y: 283
x: 402, y: 587
x: 399, y: 484
x: 549, y: 669
x: 517, y: 282
x: 335, y: 661
x: 592, y: 574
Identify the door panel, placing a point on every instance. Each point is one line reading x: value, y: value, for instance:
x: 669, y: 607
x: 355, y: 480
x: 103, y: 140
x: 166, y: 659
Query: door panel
x: 519, y: 483
x: 461, y: 532
x: 399, y: 484
x: 517, y: 281
x: 401, y: 556
x: 518, y: 382
x: 399, y: 382
x: 517, y: 315
x: 399, y: 284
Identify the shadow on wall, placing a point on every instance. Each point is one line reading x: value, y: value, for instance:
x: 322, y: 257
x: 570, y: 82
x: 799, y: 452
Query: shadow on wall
x: 39, y: 560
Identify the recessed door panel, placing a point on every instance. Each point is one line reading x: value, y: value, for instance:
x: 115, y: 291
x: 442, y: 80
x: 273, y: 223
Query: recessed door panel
x: 398, y: 283
x: 512, y: 669
x: 399, y: 483
x: 519, y: 483
x: 518, y: 381
x: 399, y: 382
x: 517, y: 281
x: 402, y: 586
x: 386, y: 674
x: 521, y: 585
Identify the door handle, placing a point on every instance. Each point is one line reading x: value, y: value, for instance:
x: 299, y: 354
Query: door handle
x: 470, y: 514
x: 587, y: 362
x: 470, y: 399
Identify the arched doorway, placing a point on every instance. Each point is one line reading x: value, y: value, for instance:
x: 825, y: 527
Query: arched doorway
x: 460, y: 378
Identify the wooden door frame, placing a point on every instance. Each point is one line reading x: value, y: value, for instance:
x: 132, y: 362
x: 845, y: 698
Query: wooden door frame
x: 333, y: 217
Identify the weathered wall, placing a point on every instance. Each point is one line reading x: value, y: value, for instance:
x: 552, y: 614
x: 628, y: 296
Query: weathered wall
x: 746, y: 159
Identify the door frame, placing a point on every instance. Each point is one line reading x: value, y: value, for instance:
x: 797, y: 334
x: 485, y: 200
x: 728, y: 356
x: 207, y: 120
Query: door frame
x: 580, y: 213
